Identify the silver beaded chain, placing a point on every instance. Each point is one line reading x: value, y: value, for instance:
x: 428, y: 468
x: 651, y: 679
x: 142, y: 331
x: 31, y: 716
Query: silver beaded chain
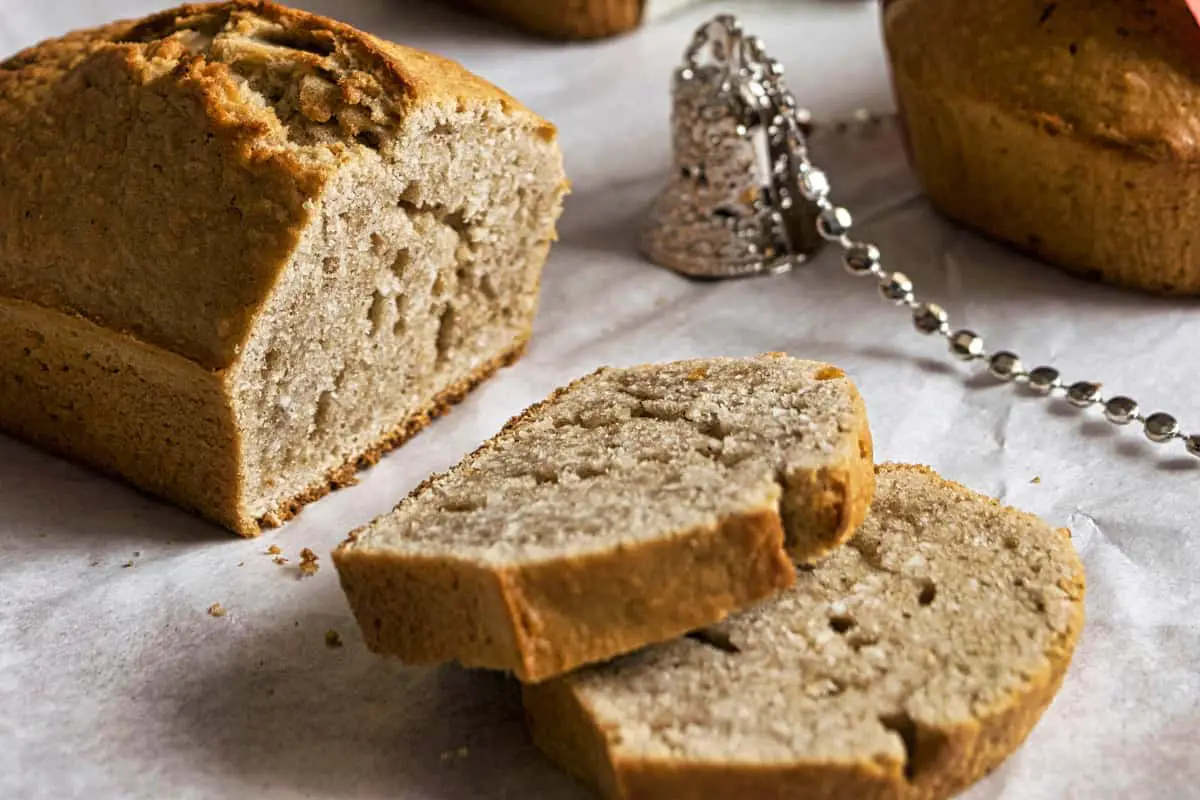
x: 833, y: 223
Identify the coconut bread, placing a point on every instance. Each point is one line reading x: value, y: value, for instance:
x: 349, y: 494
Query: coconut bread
x: 244, y: 249
x: 907, y: 664
x: 628, y: 508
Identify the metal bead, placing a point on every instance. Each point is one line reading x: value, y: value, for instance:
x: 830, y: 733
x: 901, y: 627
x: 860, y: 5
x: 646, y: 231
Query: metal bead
x: 834, y: 222
x: 1082, y: 393
x: 931, y: 318
x: 1161, y: 427
x: 1004, y: 365
x: 1120, y: 410
x: 1044, y: 380
x: 897, y: 288
x: 966, y: 345
x: 1193, y: 444
x: 862, y: 259
x: 814, y: 183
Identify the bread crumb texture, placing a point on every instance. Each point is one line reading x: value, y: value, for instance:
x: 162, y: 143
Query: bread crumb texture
x: 627, y: 508
x: 216, y: 610
x: 302, y: 243
x: 907, y: 664
x: 628, y: 454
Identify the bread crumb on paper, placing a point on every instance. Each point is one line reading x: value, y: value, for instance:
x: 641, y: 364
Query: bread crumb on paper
x: 308, y: 563
x: 1036, y: 479
x: 280, y: 560
x: 217, y: 610
x: 333, y: 639
x: 273, y: 550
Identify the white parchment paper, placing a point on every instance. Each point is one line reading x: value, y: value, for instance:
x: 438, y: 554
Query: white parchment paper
x: 116, y: 682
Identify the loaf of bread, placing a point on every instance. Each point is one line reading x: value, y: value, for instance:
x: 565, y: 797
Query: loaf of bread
x: 245, y: 250
x: 1067, y: 129
x: 906, y: 665
x: 628, y: 508
x: 573, y: 19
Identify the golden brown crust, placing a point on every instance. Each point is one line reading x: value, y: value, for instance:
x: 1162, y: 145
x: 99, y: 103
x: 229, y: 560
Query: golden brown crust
x: 175, y: 438
x: 346, y: 475
x: 541, y: 620
x: 219, y: 203
x: 564, y: 728
x: 1116, y: 73
x: 1054, y: 124
x: 833, y: 501
x: 944, y: 760
x: 564, y: 19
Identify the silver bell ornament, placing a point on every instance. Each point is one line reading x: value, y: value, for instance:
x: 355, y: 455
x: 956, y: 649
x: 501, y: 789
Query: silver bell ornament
x: 745, y: 198
x: 738, y: 202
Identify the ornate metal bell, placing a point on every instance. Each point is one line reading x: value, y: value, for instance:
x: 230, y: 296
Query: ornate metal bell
x: 733, y: 206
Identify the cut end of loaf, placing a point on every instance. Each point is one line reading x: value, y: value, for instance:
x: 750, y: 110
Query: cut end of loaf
x: 625, y: 509
x: 907, y: 664
x: 346, y: 474
x: 418, y: 270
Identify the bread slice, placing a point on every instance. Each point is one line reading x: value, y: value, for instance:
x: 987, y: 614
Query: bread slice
x: 245, y: 249
x: 905, y: 665
x: 628, y: 508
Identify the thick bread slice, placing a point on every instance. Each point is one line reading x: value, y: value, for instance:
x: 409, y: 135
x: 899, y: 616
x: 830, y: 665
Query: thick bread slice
x: 907, y: 664
x: 245, y: 249
x: 628, y: 508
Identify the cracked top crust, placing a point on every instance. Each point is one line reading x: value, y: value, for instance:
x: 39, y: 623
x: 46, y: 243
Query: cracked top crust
x: 906, y: 664
x: 626, y: 456
x: 1122, y: 73
x: 179, y: 156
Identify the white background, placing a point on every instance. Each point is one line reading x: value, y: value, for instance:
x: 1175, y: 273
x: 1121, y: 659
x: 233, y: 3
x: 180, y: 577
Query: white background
x: 115, y: 682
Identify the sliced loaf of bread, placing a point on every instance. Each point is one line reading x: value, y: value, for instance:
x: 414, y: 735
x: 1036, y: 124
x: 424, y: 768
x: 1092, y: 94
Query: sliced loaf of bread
x: 907, y: 664
x: 245, y: 250
x: 628, y: 508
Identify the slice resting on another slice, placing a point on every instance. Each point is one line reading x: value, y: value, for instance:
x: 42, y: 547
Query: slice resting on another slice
x: 906, y: 665
x: 628, y: 508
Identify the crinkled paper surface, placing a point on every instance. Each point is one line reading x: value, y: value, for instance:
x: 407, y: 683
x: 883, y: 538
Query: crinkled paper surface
x: 115, y: 681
